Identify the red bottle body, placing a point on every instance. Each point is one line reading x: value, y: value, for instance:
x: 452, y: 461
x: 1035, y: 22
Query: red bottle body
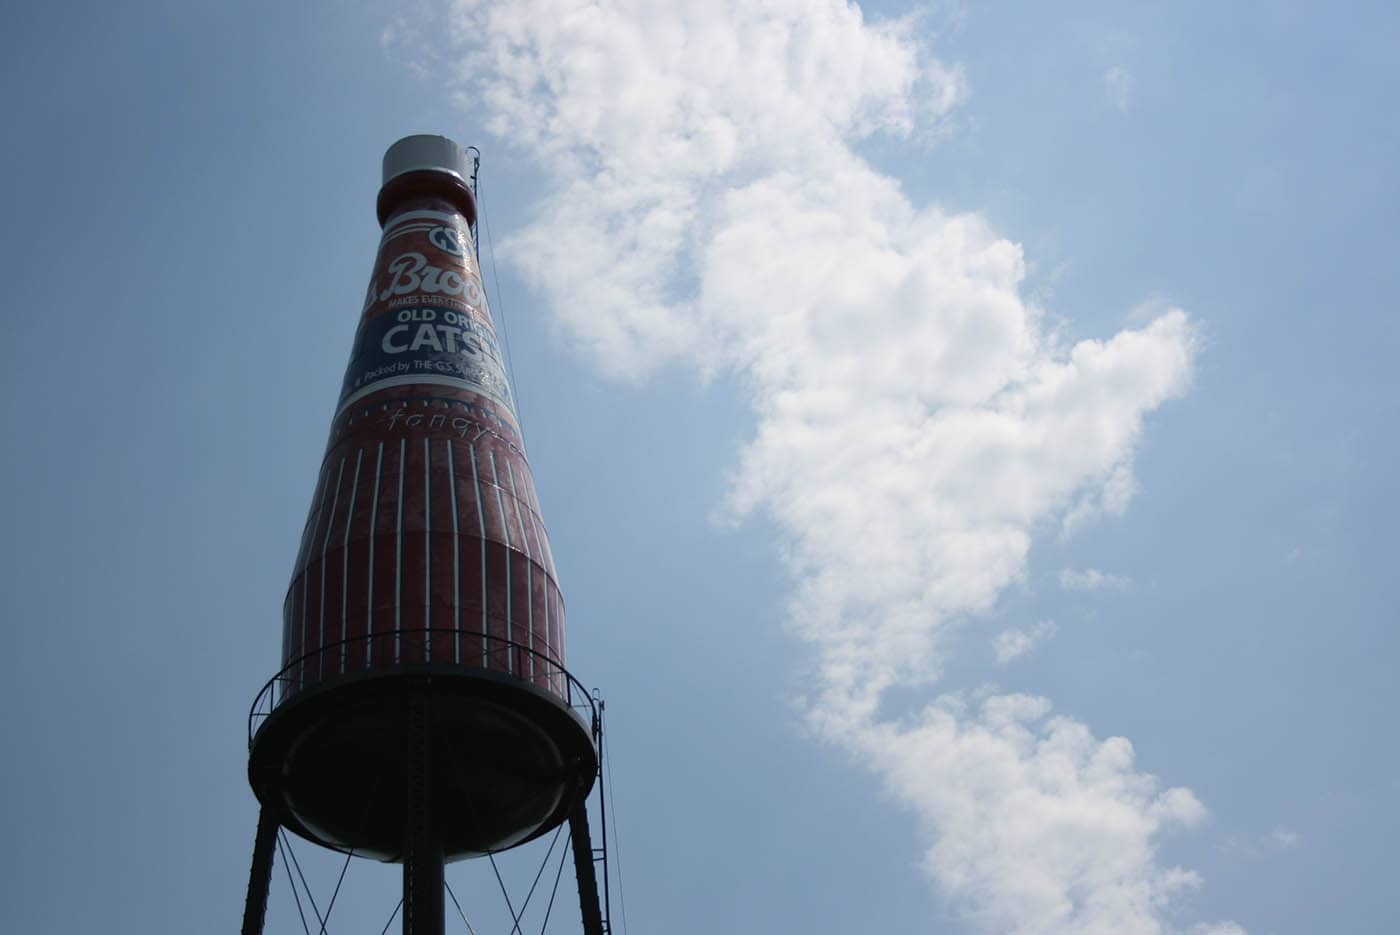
x: 424, y: 541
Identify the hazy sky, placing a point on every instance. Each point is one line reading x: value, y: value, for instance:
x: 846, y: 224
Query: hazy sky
x: 966, y: 433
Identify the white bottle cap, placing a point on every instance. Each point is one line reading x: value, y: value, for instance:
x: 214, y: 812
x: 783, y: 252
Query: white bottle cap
x: 425, y: 151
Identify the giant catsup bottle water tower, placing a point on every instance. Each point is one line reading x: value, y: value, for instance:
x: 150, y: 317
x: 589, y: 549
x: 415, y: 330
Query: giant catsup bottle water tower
x: 423, y: 713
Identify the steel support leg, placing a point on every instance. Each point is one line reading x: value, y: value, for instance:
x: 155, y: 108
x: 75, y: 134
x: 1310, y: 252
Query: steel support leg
x: 260, y: 877
x: 588, y: 905
x: 423, y: 909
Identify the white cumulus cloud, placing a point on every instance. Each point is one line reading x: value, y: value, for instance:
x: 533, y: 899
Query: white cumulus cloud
x: 1118, y: 85
x: 1218, y: 928
x: 915, y: 423
x: 1091, y: 579
x: 1040, y: 827
x: 1279, y: 839
x: 1016, y: 642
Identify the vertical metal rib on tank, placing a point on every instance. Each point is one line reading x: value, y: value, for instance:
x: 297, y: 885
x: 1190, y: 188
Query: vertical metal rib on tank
x: 424, y: 569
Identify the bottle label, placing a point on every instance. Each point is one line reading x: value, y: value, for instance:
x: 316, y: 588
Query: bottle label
x: 425, y: 319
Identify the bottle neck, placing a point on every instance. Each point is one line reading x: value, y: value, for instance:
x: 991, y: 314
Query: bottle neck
x: 425, y: 189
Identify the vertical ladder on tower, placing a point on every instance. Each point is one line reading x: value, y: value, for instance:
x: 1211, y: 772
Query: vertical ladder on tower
x: 596, y: 913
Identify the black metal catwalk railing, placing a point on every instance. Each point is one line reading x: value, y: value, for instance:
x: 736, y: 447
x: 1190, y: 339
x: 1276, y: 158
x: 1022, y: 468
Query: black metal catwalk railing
x: 502, y: 657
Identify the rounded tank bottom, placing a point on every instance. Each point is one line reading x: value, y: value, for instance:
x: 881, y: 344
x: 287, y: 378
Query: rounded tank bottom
x: 506, y: 760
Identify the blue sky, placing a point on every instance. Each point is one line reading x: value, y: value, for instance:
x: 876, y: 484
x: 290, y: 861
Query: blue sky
x: 965, y: 433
